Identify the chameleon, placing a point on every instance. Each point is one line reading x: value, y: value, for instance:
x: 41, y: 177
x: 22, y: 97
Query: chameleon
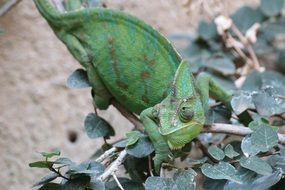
x: 129, y: 61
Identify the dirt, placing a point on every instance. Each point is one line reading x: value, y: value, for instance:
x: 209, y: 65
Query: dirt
x: 38, y: 112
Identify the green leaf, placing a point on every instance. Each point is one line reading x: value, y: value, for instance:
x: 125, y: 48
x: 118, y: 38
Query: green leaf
x: 257, y: 183
x: 272, y: 7
x: 78, y: 79
x: 221, y: 64
x: 48, y: 178
x: 88, y: 167
x: 64, y: 161
x: 230, y: 152
x: 51, y: 186
x: 96, y: 126
x: 198, y: 162
x: 222, y: 170
x: 211, y: 184
x: 50, y: 154
x: 184, y: 179
x: 78, y: 183
x: 216, y: 152
x: 264, y: 138
x: 277, y: 161
x: 247, y: 148
x: 41, y: 164
x: 141, y: 149
x: 256, y: 164
x: 137, y: 168
x: 207, y: 30
x: 126, y: 183
x: 158, y: 183
x: 242, y: 101
x: 246, y: 16
x: 133, y: 137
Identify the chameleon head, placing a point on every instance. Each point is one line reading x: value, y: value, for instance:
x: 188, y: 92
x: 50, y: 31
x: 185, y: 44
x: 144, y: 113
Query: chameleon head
x: 180, y: 121
x: 180, y: 116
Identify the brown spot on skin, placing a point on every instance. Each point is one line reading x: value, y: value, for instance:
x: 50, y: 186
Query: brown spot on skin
x: 145, y: 99
x: 110, y: 40
x: 145, y: 75
x: 147, y: 60
x: 122, y: 85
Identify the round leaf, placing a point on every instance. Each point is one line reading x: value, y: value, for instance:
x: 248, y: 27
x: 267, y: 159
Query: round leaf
x: 216, y: 152
x: 158, y: 183
x: 78, y: 79
x: 133, y: 137
x: 271, y: 7
x: 230, y: 152
x: 257, y: 165
x: 247, y: 148
x: 207, y: 30
x: 96, y: 126
x: 141, y: 149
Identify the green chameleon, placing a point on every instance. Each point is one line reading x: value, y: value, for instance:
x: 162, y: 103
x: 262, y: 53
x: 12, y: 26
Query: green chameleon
x: 127, y: 60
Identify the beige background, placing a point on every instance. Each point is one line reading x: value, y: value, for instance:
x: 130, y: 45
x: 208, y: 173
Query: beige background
x: 37, y: 111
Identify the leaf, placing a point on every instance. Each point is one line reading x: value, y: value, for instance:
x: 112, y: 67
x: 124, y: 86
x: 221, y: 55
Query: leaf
x: 141, y: 149
x: 184, y: 179
x: 217, y: 114
x: 48, y: 178
x: 257, y: 183
x: 211, y: 184
x: 207, y: 30
x: 242, y: 101
x: 247, y: 148
x: 272, y: 7
x: 221, y: 64
x: 89, y: 167
x: 78, y: 79
x: 41, y: 164
x: 199, y: 161
x: 216, y: 152
x: 64, y: 161
x: 121, y: 143
x: 264, y: 138
x: 137, y: 168
x: 270, y: 30
x: 158, y: 183
x: 78, y: 183
x: 51, y: 186
x: 126, y: 183
x: 246, y: 16
x: 256, y: 164
x: 133, y: 137
x: 230, y: 152
x: 222, y: 170
x: 96, y: 126
x: 277, y: 161
x: 50, y: 154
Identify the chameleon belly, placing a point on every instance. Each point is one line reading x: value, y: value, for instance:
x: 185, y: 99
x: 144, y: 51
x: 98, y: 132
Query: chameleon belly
x: 134, y: 62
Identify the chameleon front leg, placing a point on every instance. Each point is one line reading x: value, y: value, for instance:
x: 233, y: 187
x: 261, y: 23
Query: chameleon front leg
x: 162, y: 151
x: 207, y: 86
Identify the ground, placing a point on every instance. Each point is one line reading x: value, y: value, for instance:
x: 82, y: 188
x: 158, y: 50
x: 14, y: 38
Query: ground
x: 37, y: 111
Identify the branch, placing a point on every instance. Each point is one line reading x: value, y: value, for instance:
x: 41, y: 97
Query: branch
x: 7, y: 6
x: 114, y: 166
x: 234, y: 130
x: 130, y: 116
x: 106, y: 154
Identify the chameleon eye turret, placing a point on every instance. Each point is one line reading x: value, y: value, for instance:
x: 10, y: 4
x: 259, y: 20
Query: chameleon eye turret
x: 185, y: 114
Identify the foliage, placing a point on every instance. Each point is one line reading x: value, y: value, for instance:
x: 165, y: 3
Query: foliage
x: 255, y: 161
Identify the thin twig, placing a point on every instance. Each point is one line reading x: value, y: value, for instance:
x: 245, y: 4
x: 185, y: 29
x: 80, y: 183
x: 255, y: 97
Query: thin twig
x: 130, y: 116
x: 234, y: 130
x: 114, y: 166
x: 117, y: 181
x: 149, y: 166
x: 7, y: 6
x: 106, y: 154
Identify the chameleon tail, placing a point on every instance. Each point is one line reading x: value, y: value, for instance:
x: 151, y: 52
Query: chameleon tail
x: 48, y: 11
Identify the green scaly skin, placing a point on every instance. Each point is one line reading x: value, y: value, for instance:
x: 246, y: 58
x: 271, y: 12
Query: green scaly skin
x: 127, y: 60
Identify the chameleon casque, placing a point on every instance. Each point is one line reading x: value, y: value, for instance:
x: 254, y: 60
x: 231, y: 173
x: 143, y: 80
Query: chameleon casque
x: 127, y: 60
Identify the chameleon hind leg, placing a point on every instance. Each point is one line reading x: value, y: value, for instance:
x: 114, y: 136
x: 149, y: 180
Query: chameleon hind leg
x: 208, y: 87
x: 102, y: 96
x: 162, y: 151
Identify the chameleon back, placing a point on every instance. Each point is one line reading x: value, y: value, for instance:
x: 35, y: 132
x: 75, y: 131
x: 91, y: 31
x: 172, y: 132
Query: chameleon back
x: 134, y: 62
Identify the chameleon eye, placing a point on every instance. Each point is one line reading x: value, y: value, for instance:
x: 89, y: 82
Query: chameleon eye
x: 186, y: 114
x: 155, y: 113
